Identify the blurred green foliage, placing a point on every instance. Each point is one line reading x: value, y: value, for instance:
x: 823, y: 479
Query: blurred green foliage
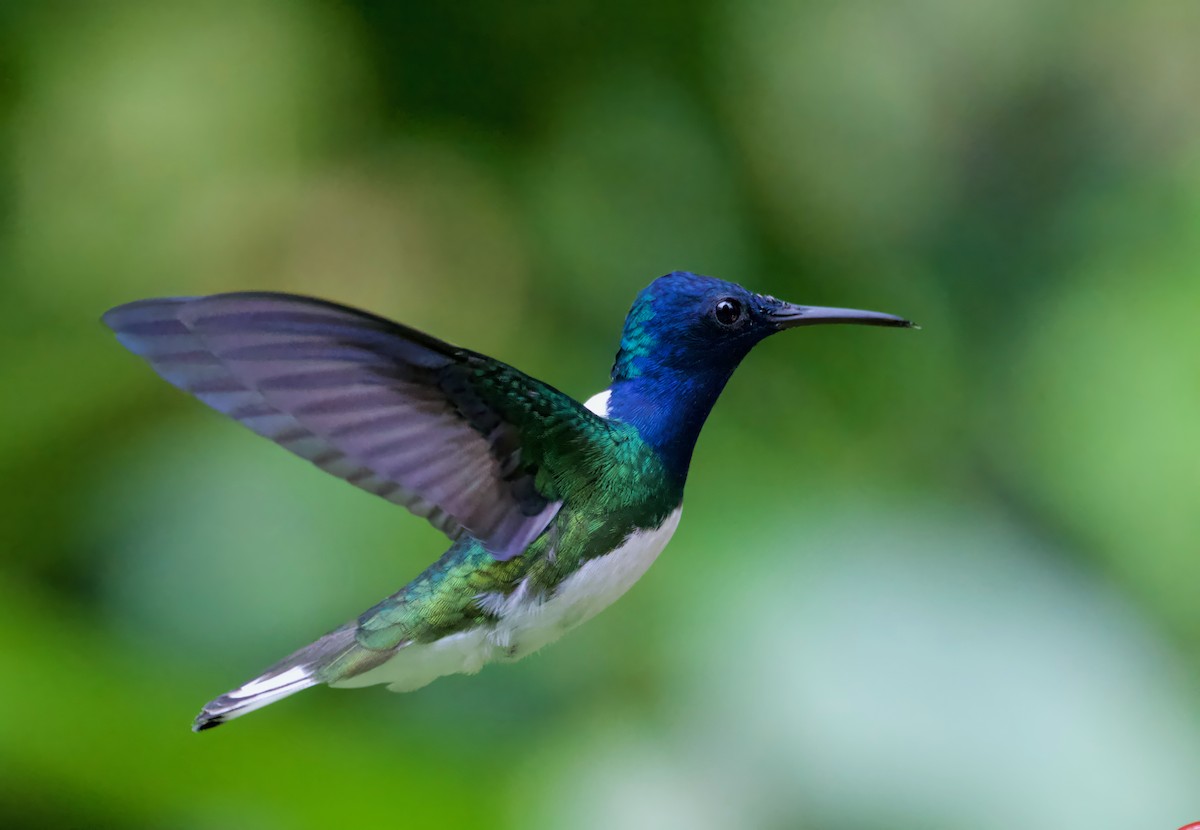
x: 926, y: 580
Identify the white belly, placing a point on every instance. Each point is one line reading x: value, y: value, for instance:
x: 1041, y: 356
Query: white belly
x: 527, y: 621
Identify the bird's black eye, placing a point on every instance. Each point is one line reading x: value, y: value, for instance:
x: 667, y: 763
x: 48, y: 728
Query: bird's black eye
x: 727, y: 311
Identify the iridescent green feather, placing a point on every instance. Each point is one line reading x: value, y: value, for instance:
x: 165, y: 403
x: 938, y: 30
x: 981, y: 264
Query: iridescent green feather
x: 613, y: 485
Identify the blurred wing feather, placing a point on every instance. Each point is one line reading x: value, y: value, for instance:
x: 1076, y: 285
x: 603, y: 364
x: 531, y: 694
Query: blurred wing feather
x: 453, y: 436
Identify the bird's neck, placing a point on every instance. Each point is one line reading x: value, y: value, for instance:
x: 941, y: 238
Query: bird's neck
x: 667, y: 408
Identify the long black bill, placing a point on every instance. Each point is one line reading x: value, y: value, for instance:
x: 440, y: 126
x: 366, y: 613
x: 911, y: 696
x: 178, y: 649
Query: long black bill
x: 788, y: 316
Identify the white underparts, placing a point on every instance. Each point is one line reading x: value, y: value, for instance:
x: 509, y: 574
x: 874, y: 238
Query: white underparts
x: 527, y: 620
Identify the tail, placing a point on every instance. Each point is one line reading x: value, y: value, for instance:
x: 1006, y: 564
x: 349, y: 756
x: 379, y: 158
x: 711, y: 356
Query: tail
x: 335, y: 655
x: 254, y: 695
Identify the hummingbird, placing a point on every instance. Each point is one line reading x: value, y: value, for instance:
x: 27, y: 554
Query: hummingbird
x: 554, y: 508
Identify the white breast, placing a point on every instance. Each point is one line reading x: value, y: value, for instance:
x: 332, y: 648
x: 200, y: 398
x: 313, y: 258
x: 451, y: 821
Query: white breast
x: 529, y: 622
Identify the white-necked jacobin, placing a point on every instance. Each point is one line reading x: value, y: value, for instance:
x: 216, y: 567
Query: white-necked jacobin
x: 555, y: 508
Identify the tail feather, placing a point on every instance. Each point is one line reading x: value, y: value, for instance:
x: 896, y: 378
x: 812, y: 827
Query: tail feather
x: 332, y: 656
x: 254, y: 695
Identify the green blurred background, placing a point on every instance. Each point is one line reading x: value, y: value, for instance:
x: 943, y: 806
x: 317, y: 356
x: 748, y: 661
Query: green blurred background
x: 935, y: 579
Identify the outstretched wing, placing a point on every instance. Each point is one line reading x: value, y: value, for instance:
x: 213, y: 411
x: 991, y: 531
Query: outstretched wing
x: 454, y: 436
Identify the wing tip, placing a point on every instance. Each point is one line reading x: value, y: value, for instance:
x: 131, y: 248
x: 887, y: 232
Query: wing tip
x: 122, y: 316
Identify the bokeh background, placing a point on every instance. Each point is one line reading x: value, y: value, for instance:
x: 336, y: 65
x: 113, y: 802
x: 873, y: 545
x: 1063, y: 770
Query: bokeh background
x: 935, y: 579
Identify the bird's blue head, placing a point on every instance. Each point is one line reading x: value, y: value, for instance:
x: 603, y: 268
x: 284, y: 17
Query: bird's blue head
x: 683, y: 337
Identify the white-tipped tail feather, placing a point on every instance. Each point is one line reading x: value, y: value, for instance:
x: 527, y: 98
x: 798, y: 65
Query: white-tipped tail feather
x: 330, y: 656
x: 254, y: 695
